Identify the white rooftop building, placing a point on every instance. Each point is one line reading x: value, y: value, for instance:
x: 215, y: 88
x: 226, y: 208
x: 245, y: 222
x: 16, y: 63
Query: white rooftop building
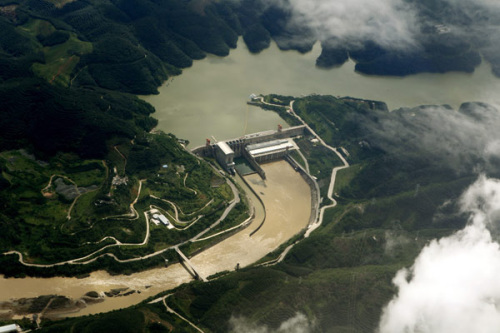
x: 164, y: 220
x: 224, y: 155
x: 10, y: 328
x: 158, y: 219
x: 270, y: 150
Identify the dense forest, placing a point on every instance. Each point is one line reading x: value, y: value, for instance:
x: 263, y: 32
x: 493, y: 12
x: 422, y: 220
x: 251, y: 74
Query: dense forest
x: 398, y: 194
x: 90, y: 50
x: 69, y: 72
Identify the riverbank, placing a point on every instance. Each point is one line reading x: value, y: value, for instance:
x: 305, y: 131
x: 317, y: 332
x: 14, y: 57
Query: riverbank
x: 287, y: 199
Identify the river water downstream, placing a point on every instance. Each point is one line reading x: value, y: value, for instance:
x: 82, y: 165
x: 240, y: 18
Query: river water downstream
x: 287, y: 199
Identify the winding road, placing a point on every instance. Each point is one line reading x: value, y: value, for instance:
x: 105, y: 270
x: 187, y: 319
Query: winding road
x: 135, y: 215
x: 85, y: 259
x: 169, y: 309
x: 319, y: 220
x: 329, y: 194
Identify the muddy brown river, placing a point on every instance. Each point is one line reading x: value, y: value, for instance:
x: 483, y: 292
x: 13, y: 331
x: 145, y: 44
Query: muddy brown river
x: 209, y: 99
x: 287, y: 200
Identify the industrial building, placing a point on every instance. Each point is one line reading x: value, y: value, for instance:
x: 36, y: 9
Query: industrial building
x: 160, y: 218
x: 225, y: 156
x: 255, y: 148
x: 10, y: 328
x: 270, y: 150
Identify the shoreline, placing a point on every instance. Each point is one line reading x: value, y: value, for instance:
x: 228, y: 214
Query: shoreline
x: 146, y: 283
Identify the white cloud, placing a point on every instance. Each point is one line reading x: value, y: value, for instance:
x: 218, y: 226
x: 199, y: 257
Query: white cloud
x: 466, y: 4
x: 391, y: 23
x: 454, y: 284
x: 492, y: 149
x: 461, y: 139
x: 297, y: 324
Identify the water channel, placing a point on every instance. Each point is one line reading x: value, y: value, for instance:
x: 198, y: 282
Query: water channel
x: 209, y: 99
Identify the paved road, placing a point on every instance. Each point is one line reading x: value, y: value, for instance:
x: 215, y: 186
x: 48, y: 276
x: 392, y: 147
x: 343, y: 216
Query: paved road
x: 85, y: 259
x: 315, y: 225
x: 318, y: 222
x: 178, y: 315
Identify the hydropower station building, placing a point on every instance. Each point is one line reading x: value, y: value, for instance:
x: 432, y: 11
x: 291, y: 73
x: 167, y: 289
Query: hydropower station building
x: 224, y: 155
x: 270, y: 150
x: 255, y: 148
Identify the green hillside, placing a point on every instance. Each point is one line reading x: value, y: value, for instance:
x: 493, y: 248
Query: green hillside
x: 340, y: 278
x: 80, y: 166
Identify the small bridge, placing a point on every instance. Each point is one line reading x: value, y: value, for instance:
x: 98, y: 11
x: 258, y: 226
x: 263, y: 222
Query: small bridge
x: 188, y: 265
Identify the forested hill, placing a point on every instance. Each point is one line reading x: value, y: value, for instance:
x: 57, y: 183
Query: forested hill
x: 126, y: 45
x: 133, y: 45
x: 66, y: 67
x: 95, y: 52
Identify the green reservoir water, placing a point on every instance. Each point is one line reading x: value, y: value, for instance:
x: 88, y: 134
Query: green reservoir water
x: 209, y: 99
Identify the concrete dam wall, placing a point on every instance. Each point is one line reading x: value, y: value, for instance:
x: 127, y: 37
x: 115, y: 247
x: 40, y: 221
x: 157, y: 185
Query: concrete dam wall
x: 238, y: 145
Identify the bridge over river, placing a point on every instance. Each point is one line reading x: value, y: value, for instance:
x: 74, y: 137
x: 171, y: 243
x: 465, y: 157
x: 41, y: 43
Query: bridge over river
x: 189, y: 266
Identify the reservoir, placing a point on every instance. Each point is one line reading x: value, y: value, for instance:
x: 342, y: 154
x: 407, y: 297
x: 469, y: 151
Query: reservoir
x: 209, y: 98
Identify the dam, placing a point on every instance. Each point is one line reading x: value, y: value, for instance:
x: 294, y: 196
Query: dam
x: 255, y: 148
x: 263, y: 147
x: 288, y: 205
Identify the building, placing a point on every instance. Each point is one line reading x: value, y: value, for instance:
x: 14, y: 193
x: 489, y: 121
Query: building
x: 270, y: 150
x: 155, y: 219
x: 160, y: 218
x: 10, y: 328
x: 164, y: 220
x: 258, y: 147
x: 225, y: 156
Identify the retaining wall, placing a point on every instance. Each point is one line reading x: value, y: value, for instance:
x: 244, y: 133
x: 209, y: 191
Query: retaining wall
x: 315, y: 194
